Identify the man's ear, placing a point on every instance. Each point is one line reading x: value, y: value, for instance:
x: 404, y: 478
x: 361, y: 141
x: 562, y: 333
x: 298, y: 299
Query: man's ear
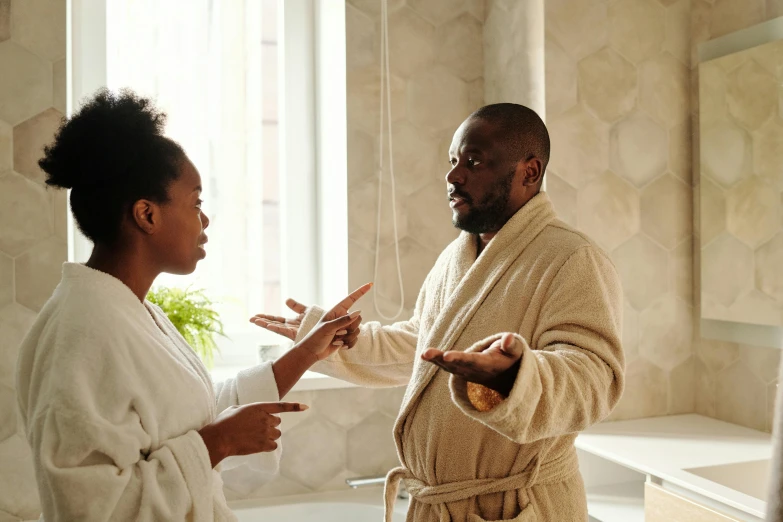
x: 147, y: 215
x: 533, y: 171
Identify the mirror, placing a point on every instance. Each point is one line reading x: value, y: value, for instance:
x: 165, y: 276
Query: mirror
x: 741, y: 177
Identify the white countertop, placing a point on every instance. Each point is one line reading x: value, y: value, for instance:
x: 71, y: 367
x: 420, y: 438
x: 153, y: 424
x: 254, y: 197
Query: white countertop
x: 665, y: 447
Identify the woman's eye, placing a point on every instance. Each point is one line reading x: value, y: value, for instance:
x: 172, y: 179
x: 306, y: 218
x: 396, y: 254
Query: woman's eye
x: 199, y: 203
x: 453, y: 162
x: 473, y: 162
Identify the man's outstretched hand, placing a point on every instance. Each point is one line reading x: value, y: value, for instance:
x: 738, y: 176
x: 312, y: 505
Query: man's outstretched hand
x: 289, y: 326
x: 494, y: 366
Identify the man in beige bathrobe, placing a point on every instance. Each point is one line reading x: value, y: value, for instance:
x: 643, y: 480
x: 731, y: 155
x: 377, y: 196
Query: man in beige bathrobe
x: 486, y: 431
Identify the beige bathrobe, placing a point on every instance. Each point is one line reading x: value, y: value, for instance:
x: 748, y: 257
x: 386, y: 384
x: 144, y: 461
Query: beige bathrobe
x: 111, y: 397
x: 560, y: 293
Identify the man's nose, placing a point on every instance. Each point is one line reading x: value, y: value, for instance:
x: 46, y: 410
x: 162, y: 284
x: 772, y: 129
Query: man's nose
x: 455, y: 176
x: 204, y: 221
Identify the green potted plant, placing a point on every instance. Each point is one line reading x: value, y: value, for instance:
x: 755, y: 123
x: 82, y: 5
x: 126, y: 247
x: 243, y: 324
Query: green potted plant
x: 194, y: 317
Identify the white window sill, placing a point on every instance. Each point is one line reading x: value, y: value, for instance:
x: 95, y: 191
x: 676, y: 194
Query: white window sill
x: 310, y: 381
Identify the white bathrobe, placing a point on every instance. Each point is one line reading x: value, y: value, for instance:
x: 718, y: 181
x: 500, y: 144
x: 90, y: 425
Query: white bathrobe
x: 111, y: 397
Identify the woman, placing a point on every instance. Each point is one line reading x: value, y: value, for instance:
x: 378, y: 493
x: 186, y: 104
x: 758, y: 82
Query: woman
x: 120, y: 413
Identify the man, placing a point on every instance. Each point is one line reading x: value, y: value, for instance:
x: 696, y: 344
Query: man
x: 523, y: 314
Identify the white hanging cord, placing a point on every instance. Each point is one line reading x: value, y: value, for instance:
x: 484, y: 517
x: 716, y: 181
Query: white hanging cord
x: 386, y: 94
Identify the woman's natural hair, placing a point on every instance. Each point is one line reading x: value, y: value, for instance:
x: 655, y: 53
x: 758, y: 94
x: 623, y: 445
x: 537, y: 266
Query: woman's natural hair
x: 111, y: 153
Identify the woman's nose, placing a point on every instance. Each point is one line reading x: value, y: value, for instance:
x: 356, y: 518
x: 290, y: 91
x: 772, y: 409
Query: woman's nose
x: 204, y: 220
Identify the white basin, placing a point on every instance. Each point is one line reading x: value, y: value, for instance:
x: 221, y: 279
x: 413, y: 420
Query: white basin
x: 750, y: 478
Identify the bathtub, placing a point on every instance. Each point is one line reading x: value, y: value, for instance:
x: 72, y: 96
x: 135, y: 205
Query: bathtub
x: 362, y: 505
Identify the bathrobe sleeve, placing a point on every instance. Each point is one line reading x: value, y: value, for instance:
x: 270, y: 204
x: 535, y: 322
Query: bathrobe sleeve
x: 575, y: 377
x: 256, y: 384
x: 383, y: 355
x: 92, y: 467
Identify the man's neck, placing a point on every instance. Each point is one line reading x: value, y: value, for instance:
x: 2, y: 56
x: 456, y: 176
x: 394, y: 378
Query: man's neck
x: 482, y: 240
x: 126, y: 267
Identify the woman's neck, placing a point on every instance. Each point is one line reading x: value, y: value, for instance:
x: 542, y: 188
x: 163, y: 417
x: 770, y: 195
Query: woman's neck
x: 125, y: 266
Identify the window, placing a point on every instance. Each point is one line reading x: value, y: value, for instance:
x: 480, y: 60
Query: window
x: 239, y: 82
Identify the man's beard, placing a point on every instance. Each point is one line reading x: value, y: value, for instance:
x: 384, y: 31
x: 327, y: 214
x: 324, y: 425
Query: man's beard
x: 488, y: 215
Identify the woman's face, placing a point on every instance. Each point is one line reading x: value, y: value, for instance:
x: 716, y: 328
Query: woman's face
x: 180, y: 243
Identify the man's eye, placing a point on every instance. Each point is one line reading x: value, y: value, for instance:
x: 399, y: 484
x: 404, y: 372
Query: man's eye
x: 473, y: 162
x: 199, y: 203
x: 453, y: 162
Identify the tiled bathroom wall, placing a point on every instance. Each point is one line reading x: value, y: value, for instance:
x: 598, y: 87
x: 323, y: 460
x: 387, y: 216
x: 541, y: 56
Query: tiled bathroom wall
x: 735, y: 383
x: 32, y: 218
x: 618, y: 110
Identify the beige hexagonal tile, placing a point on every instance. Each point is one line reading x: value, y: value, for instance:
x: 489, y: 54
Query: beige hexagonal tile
x: 609, y: 210
x: 762, y: 361
x: 477, y: 9
x: 25, y: 214
x: 38, y: 271
x: 416, y: 262
x: 15, y: 322
x: 729, y: 16
x: 769, y: 276
x: 438, y: 12
x: 768, y: 152
x: 682, y: 392
x: 429, y: 217
x: 756, y: 307
x: 19, y: 485
x: 644, y: 270
x: 30, y: 137
x: 630, y: 333
x: 716, y: 355
x: 302, y: 397
x: 680, y: 149
x: 664, y: 89
x: 580, y: 142
x: 726, y: 153
x: 741, y: 397
x: 437, y: 100
x: 331, y: 404
x: 726, y: 255
x: 5, y: 20
x: 636, y: 28
x: 39, y: 25
x: 712, y: 210
x: 6, y: 147
x: 362, y: 40
x: 6, y: 280
x: 29, y: 90
x: 581, y: 28
x: 712, y: 87
x: 372, y: 446
x: 363, y: 90
x: 361, y: 265
x: 753, y: 211
x: 607, y: 84
x: 416, y: 161
x: 411, y: 43
x: 639, y: 149
x: 705, y: 390
x: 373, y: 7
x: 8, y: 415
x: 461, y: 48
x: 476, y: 94
x: 362, y: 159
x: 389, y: 400
x: 319, y: 454
x: 59, y: 91
x: 772, y: 393
x: 667, y: 213
x: 363, y: 212
x: 646, y: 391
x: 560, y: 79
x: 751, y: 94
x: 665, y: 332
x: 701, y: 10
x: 681, y: 270
x: 678, y: 26
x: 770, y: 55
x: 563, y: 197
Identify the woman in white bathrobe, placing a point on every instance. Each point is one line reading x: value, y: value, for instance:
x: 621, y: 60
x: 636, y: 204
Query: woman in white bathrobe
x: 122, y: 417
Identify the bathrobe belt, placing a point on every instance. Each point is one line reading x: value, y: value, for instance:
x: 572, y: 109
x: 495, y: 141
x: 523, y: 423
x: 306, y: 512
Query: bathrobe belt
x: 535, y: 474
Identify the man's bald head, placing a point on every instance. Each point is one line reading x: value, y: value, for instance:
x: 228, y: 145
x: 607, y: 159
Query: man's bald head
x: 522, y: 130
